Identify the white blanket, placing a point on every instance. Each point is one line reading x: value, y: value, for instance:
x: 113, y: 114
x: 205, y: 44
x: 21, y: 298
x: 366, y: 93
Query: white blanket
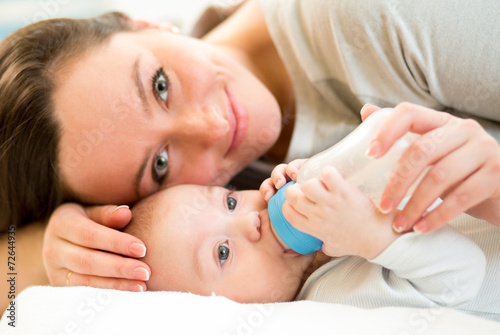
x: 83, y: 310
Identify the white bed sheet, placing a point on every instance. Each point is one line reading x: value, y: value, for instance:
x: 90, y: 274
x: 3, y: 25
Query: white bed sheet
x: 83, y: 310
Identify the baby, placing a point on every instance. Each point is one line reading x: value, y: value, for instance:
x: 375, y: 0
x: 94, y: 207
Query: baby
x: 211, y: 240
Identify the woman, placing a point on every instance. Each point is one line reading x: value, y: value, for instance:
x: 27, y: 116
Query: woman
x: 157, y: 109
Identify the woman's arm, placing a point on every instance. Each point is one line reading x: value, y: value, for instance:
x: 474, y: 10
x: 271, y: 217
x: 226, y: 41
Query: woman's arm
x: 26, y: 248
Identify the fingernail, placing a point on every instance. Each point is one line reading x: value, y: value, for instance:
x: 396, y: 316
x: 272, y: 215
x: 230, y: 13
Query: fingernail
x: 279, y: 183
x: 175, y: 29
x: 137, y: 250
x: 136, y: 288
x: 399, y: 224
x: 363, y: 109
x: 386, y: 205
x: 117, y: 208
x: 421, y: 227
x: 373, y: 149
x: 141, y: 274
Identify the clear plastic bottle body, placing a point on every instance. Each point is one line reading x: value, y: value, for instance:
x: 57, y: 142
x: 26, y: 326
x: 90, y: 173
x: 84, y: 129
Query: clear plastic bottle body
x: 367, y: 174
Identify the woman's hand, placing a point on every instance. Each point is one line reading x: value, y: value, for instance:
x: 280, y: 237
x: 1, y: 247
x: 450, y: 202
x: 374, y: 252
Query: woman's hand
x: 83, y: 248
x: 464, y: 163
x: 281, y: 174
x: 340, y: 215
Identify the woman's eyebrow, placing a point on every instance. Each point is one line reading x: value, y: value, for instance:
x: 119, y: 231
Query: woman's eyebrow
x: 140, y: 87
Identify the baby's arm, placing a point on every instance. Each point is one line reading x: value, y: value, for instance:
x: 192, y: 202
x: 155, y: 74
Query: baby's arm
x: 444, y: 265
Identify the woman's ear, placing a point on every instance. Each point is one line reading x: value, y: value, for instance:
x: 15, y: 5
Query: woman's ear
x: 141, y: 24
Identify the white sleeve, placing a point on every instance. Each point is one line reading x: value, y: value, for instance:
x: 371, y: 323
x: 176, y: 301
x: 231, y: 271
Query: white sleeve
x: 444, y: 265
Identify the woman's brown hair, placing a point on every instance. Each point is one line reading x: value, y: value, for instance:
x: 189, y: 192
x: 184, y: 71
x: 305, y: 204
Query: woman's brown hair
x: 30, y: 187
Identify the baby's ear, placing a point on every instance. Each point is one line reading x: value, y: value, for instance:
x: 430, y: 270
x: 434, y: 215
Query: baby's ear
x: 141, y: 24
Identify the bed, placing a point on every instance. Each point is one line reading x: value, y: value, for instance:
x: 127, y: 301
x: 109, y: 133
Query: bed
x: 83, y: 310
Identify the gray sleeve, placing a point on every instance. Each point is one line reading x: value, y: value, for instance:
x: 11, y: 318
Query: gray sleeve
x: 439, y: 53
x: 445, y: 266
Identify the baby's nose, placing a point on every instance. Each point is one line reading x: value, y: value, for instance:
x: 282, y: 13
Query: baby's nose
x: 249, y: 225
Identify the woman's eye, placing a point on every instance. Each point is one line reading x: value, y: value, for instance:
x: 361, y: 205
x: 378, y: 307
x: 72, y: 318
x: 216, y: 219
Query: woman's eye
x: 160, y: 166
x: 161, y: 85
x: 223, y: 252
x: 231, y: 203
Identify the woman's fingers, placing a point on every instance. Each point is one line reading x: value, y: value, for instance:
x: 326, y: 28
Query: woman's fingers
x: 439, y: 179
x: 95, y: 236
x: 368, y: 110
x: 468, y: 194
x: 77, y: 279
x: 72, y: 224
x: 427, y: 150
x: 98, y: 263
x: 405, y: 117
x: 73, y: 241
x: 111, y: 216
x: 463, y: 175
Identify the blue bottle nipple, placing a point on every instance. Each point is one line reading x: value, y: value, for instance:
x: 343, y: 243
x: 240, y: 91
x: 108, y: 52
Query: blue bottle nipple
x: 292, y: 238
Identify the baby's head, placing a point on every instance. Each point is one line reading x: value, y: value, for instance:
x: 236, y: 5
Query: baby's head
x: 208, y: 240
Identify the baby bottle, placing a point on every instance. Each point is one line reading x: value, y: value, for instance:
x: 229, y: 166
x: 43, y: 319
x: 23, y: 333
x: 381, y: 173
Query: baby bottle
x: 369, y: 175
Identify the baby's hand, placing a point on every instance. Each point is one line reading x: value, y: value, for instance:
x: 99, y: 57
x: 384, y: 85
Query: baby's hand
x: 281, y: 174
x: 340, y: 215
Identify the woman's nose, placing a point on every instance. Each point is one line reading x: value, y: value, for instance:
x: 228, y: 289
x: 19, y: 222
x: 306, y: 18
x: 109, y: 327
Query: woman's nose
x: 206, y: 125
x: 248, y: 225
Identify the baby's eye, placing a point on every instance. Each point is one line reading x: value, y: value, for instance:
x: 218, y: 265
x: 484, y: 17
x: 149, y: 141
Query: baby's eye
x: 231, y: 203
x: 160, y: 166
x: 223, y: 252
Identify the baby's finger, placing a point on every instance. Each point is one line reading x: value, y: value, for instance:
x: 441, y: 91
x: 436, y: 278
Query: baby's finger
x: 332, y: 178
x: 296, y: 197
x: 296, y: 219
x: 267, y: 189
x: 77, y: 279
x: 278, y: 176
x: 292, y: 168
x: 95, y: 236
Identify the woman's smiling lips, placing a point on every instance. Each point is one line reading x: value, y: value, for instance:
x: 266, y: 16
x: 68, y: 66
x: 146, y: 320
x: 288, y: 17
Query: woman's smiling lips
x: 238, y: 122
